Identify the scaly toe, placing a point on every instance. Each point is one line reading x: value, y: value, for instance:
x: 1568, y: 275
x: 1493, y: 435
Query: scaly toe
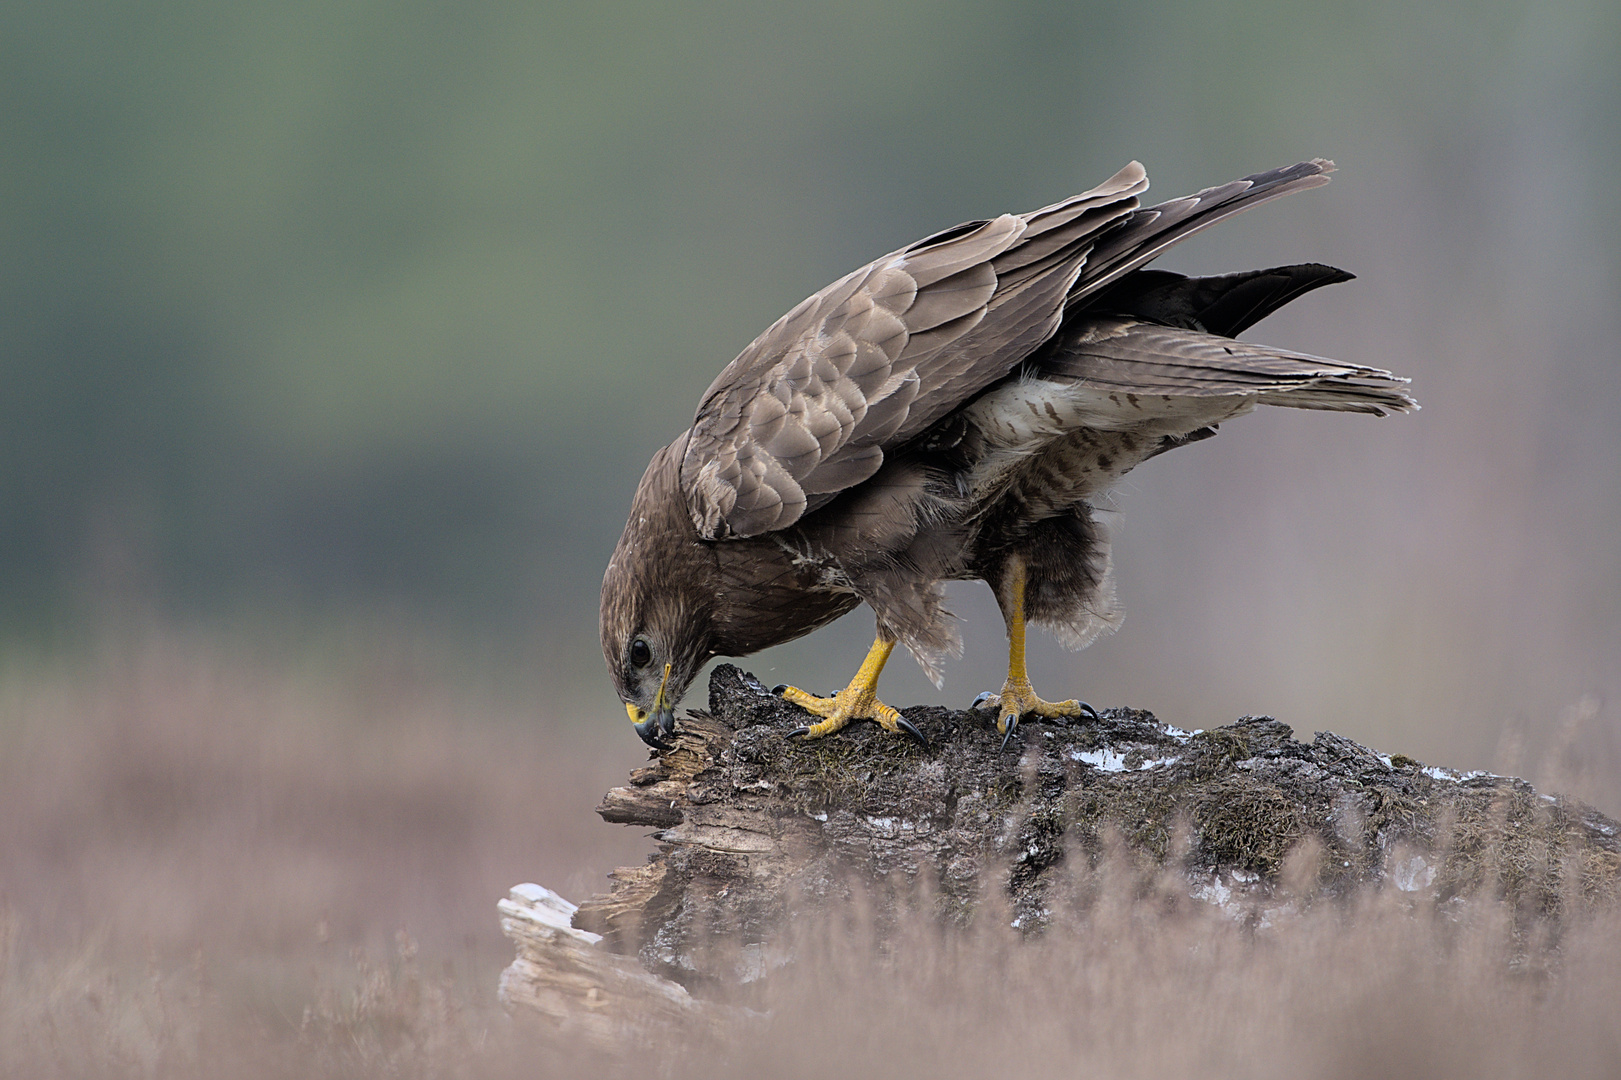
x: 1028, y: 704
x: 827, y: 726
x: 817, y: 706
x: 841, y: 709
x: 890, y: 719
x: 1019, y: 700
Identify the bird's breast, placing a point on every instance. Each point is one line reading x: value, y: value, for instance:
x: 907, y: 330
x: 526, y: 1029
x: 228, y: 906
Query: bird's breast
x: 773, y: 589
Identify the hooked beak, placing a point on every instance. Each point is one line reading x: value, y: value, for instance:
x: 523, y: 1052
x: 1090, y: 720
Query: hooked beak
x: 661, y: 721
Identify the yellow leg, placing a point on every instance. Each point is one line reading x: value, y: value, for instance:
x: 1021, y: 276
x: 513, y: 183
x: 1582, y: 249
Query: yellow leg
x: 1018, y: 698
x: 858, y: 701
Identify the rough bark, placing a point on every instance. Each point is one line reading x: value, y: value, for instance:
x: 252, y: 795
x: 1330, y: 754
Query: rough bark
x: 752, y: 823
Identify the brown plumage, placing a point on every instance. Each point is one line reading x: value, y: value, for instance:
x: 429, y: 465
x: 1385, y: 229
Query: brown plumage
x: 947, y: 412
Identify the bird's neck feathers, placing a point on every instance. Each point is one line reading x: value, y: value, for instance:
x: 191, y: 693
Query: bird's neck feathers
x: 660, y: 534
x: 662, y: 571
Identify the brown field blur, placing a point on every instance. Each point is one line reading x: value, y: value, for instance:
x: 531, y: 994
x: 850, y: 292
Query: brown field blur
x: 174, y: 817
x: 217, y: 863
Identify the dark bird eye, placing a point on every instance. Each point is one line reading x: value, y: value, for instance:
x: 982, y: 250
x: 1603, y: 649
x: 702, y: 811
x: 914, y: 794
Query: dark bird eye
x: 640, y: 654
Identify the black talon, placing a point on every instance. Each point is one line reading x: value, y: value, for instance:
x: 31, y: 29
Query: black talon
x: 1089, y: 711
x: 982, y: 699
x: 906, y: 726
x: 798, y: 731
x: 780, y: 689
x: 1012, y: 723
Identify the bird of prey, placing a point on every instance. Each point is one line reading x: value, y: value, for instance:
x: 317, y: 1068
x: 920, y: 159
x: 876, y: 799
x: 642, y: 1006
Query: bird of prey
x: 948, y: 412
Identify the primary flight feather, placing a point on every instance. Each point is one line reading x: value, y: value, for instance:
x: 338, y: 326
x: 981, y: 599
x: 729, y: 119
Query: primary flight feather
x: 948, y: 412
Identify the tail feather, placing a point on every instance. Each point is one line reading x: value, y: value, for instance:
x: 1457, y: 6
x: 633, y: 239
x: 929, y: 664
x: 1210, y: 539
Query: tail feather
x: 1343, y: 395
x: 1131, y: 357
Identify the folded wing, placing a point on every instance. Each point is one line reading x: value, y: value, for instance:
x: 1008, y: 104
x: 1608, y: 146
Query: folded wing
x: 871, y: 361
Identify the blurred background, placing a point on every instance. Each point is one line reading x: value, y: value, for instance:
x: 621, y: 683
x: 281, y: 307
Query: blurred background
x: 334, y: 338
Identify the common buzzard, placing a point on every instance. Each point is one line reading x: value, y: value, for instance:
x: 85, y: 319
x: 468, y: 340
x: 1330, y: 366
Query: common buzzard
x: 947, y: 412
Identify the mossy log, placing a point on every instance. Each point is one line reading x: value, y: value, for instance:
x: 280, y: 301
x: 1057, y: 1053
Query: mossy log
x: 752, y: 824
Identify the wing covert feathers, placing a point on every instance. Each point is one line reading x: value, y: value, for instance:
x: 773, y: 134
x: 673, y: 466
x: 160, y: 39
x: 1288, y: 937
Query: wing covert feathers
x: 871, y: 361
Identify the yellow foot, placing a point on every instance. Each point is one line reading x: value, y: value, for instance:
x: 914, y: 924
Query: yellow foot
x: 1018, y: 699
x: 854, y: 702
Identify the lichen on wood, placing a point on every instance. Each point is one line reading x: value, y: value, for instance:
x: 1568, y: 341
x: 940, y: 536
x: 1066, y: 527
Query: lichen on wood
x: 754, y: 826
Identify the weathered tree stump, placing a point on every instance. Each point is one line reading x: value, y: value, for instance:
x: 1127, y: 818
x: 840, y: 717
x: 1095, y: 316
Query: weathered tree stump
x: 753, y: 824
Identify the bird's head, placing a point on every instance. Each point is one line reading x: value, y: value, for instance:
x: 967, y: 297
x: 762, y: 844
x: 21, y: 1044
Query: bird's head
x: 657, y: 604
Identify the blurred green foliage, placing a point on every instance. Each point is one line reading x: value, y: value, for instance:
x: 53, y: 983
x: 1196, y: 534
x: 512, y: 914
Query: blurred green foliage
x: 322, y: 304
